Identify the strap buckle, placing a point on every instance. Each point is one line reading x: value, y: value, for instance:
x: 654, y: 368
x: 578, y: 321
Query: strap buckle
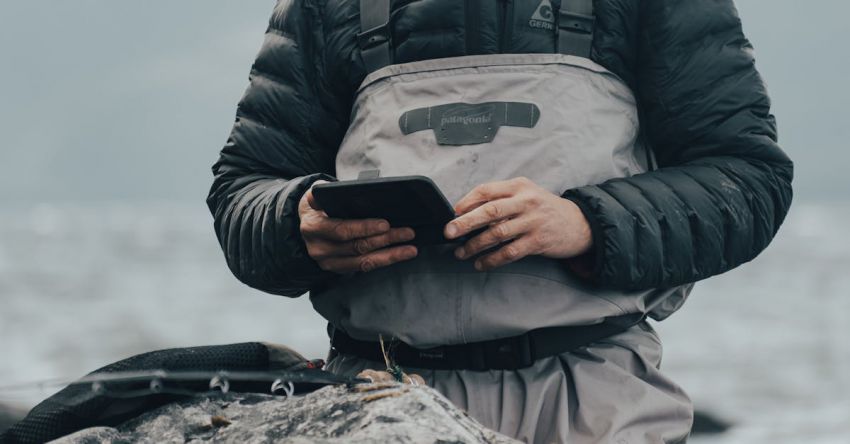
x: 574, y: 22
x: 376, y: 36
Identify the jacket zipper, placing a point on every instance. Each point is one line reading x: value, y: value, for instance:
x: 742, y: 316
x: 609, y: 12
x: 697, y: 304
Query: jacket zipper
x: 473, y: 26
x: 506, y: 24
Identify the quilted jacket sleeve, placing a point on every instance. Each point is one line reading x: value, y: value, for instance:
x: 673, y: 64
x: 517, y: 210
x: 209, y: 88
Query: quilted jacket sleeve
x: 724, y: 185
x: 285, y: 138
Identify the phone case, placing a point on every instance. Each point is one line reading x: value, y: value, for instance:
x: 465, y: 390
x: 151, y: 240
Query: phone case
x: 404, y: 201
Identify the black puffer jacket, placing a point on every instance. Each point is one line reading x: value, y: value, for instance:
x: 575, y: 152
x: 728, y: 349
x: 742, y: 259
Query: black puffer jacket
x: 718, y: 198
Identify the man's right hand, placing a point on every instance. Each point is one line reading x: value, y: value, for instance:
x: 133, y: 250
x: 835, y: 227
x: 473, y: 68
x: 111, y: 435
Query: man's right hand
x: 345, y: 246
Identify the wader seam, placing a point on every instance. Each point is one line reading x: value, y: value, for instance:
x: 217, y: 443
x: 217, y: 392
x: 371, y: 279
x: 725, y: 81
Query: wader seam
x: 432, y: 65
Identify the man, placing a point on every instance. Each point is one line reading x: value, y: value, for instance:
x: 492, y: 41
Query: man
x: 632, y: 243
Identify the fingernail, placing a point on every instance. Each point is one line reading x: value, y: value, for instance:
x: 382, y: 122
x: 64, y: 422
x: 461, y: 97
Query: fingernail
x: 383, y: 226
x: 451, y: 231
x: 478, y: 265
x: 410, y: 234
x: 460, y: 253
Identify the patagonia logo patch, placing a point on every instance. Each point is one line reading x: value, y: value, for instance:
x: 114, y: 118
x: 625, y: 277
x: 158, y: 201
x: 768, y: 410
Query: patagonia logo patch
x: 469, y: 123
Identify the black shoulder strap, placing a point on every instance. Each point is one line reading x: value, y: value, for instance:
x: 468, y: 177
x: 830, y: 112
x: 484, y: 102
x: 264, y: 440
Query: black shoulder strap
x: 374, y: 36
x: 575, y: 27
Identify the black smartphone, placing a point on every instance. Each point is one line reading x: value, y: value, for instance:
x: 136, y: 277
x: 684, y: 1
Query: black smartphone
x: 404, y: 201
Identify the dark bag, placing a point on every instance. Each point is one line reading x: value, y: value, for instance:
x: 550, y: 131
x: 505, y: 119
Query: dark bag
x: 81, y: 405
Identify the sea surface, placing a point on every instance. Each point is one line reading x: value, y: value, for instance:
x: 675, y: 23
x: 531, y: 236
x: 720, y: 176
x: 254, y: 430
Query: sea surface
x: 766, y: 346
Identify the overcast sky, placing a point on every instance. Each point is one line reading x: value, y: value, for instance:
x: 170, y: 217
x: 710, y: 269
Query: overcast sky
x: 120, y: 100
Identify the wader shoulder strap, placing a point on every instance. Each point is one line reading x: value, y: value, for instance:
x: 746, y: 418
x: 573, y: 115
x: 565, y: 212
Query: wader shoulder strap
x: 575, y: 27
x: 374, y: 36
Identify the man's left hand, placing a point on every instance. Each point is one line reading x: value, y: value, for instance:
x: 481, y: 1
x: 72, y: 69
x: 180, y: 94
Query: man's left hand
x: 526, y: 218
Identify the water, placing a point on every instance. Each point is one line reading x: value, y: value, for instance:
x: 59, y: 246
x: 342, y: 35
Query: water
x: 766, y: 346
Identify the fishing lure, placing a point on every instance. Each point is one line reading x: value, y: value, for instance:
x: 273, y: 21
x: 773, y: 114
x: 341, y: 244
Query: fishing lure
x: 392, y: 368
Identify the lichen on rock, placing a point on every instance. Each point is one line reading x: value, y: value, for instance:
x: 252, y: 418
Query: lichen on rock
x: 376, y: 413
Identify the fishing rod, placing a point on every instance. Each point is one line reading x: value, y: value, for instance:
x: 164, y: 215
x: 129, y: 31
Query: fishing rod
x: 137, y: 383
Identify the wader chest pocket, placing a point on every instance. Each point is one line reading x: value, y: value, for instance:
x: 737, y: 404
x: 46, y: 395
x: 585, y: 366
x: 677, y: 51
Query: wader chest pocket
x: 469, y: 123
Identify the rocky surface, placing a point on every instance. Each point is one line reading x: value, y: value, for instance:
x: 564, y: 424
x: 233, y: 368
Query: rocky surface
x: 375, y: 413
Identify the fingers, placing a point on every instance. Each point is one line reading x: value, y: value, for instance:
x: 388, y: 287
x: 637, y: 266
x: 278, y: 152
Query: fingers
x: 370, y: 261
x: 495, y: 235
x: 351, y: 245
x: 337, y: 230
x: 376, y: 375
x: 512, y: 252
x: 308, y: 201
x: 320, y: 249
x: 366, y: 245
x: 340, y: 230
x: 311, y: 201
x: 490, y: 191
x: 383, y: 377
x: 413, y: 379
x: 484, y: 215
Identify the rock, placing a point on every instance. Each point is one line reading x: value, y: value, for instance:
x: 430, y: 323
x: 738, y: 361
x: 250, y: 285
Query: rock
x: 375, y: 413
x: 10, y: 415
x: 95, y: 435
x: 706, y: 423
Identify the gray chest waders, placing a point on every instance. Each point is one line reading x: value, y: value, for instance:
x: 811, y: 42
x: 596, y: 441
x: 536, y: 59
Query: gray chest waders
x: 560, y: 120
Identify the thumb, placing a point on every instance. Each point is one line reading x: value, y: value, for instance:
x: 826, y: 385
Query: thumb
x: 311, y: 200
